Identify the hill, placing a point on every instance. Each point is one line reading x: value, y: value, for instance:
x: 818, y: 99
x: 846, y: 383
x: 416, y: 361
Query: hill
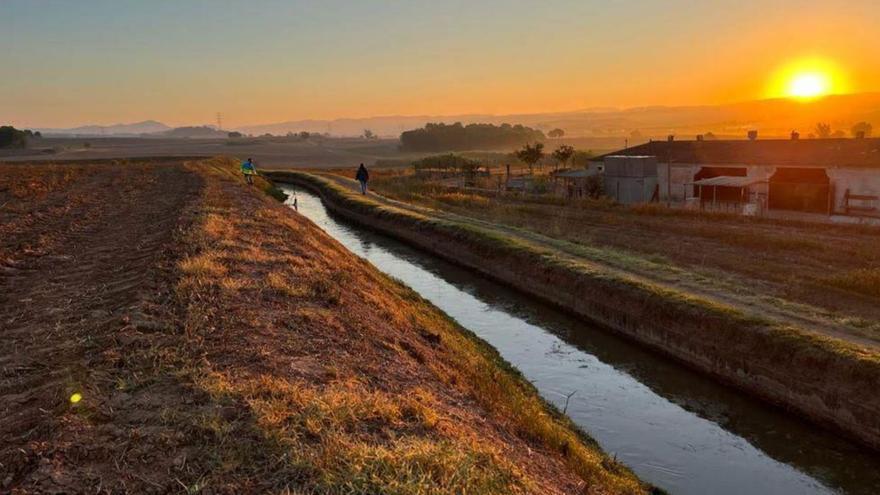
x: 773, y: 117
x: 133, y: 129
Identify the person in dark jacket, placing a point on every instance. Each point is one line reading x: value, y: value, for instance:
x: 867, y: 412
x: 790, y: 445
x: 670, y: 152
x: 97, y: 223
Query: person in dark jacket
x: 363, y: 176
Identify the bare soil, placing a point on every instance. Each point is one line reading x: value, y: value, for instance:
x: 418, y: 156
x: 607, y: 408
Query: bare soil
x: 267, y: 152
x: 82, y: 250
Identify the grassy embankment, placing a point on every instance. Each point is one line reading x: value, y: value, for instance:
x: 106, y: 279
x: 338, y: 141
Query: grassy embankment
x: 358, y: 385
x: 829, y: 380
x: 835, y: 268
x: 242, y: 350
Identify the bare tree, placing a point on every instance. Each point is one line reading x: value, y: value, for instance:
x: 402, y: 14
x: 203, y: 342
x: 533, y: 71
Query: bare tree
x: 562, y: 154
x: 823, y: 130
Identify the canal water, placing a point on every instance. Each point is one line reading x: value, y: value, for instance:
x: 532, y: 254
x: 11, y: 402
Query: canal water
x: 673, y: 427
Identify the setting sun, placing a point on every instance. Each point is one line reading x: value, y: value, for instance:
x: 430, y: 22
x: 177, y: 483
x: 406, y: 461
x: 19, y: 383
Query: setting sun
x: 806, y: 79
x: 808, y: 85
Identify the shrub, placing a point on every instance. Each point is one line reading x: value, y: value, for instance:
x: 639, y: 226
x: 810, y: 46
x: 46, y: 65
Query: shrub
x: 276, y: 193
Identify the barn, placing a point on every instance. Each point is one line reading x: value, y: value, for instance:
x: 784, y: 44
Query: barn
x: 825, y: 176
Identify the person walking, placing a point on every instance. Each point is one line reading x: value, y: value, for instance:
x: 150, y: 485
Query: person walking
x: 363, y: 176
x: 249, y: 170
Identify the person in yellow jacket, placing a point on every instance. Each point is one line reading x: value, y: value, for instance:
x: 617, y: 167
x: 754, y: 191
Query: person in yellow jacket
x: 249, y: 170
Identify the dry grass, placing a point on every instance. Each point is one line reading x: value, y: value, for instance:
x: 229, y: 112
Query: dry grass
x: 864, y: 281
x: 354, y: 383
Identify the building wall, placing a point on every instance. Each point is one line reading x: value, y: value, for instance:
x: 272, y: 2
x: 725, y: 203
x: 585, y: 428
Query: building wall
x: 861, y: 181
x: 629, y: 190
x: 683, y: 174
x: 630, y: 179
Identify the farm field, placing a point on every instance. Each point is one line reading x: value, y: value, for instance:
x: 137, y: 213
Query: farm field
x: 166, y: 327
x: 819, y: 275
x: 268, y: 152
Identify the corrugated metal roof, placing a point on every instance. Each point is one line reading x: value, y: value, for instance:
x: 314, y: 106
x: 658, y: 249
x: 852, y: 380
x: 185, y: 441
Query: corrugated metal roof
x: 728, y: 181
x: 785, y: 152
x: 575, y: 173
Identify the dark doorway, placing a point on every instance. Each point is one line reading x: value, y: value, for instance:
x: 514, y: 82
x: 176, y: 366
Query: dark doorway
x: 800, y: 189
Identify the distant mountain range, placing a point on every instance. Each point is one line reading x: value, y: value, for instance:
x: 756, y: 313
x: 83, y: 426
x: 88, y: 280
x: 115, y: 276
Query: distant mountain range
x: 773, y: 117
x: 135, y: 129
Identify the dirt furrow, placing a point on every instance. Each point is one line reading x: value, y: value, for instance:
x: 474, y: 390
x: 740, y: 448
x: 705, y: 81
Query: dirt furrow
x: 68, y: 299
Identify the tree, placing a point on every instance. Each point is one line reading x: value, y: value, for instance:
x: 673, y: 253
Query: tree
x: 562, y: 154
x: 234, y: 135
x: 710, y: 136
x: 10, y: 137
x: 862, y: 128
x: 581, y: 159
x: 458, y: 137
x: 556, y: 133
x: 823, y: 130
x: 368, y: 134
x: 530, y: 154
x: 38, y: 134
x: 304, y: 135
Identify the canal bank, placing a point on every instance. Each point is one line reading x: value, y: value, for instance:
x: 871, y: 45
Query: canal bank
x: 831, y: 382
x: 673, y: 426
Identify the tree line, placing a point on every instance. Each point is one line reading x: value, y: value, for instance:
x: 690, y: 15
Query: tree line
x: 10, y: 137
x: 458, y: 137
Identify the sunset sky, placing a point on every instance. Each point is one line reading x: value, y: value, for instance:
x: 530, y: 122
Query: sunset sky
x: 70, y: 63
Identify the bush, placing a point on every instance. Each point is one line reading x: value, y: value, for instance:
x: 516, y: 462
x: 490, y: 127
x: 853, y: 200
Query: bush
x: 276, y: 193
x: 448, y: 162
x: 595, y: 187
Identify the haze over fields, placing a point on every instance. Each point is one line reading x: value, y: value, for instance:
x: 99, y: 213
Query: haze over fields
x: 774, y: 117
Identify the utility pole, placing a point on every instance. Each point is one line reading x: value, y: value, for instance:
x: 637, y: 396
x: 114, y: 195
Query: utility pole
x: 219, y: 121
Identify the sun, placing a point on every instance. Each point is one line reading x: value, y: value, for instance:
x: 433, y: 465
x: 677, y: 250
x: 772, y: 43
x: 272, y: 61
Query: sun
x: 807, y: 79
x: 809, y: 85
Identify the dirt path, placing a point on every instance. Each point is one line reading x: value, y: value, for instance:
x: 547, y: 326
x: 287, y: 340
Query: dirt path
x: 729, y: 292
x: 77, y: 268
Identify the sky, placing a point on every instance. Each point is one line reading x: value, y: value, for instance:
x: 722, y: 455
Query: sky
x: 68, y: 63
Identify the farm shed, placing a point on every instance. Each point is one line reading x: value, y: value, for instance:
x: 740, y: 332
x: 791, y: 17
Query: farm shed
x: 737, y: 190
x: 834, y: 176
x: 631, y: 179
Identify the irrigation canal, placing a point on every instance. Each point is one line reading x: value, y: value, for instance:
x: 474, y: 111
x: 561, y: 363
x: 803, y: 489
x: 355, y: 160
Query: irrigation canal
x: 673, y: 427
